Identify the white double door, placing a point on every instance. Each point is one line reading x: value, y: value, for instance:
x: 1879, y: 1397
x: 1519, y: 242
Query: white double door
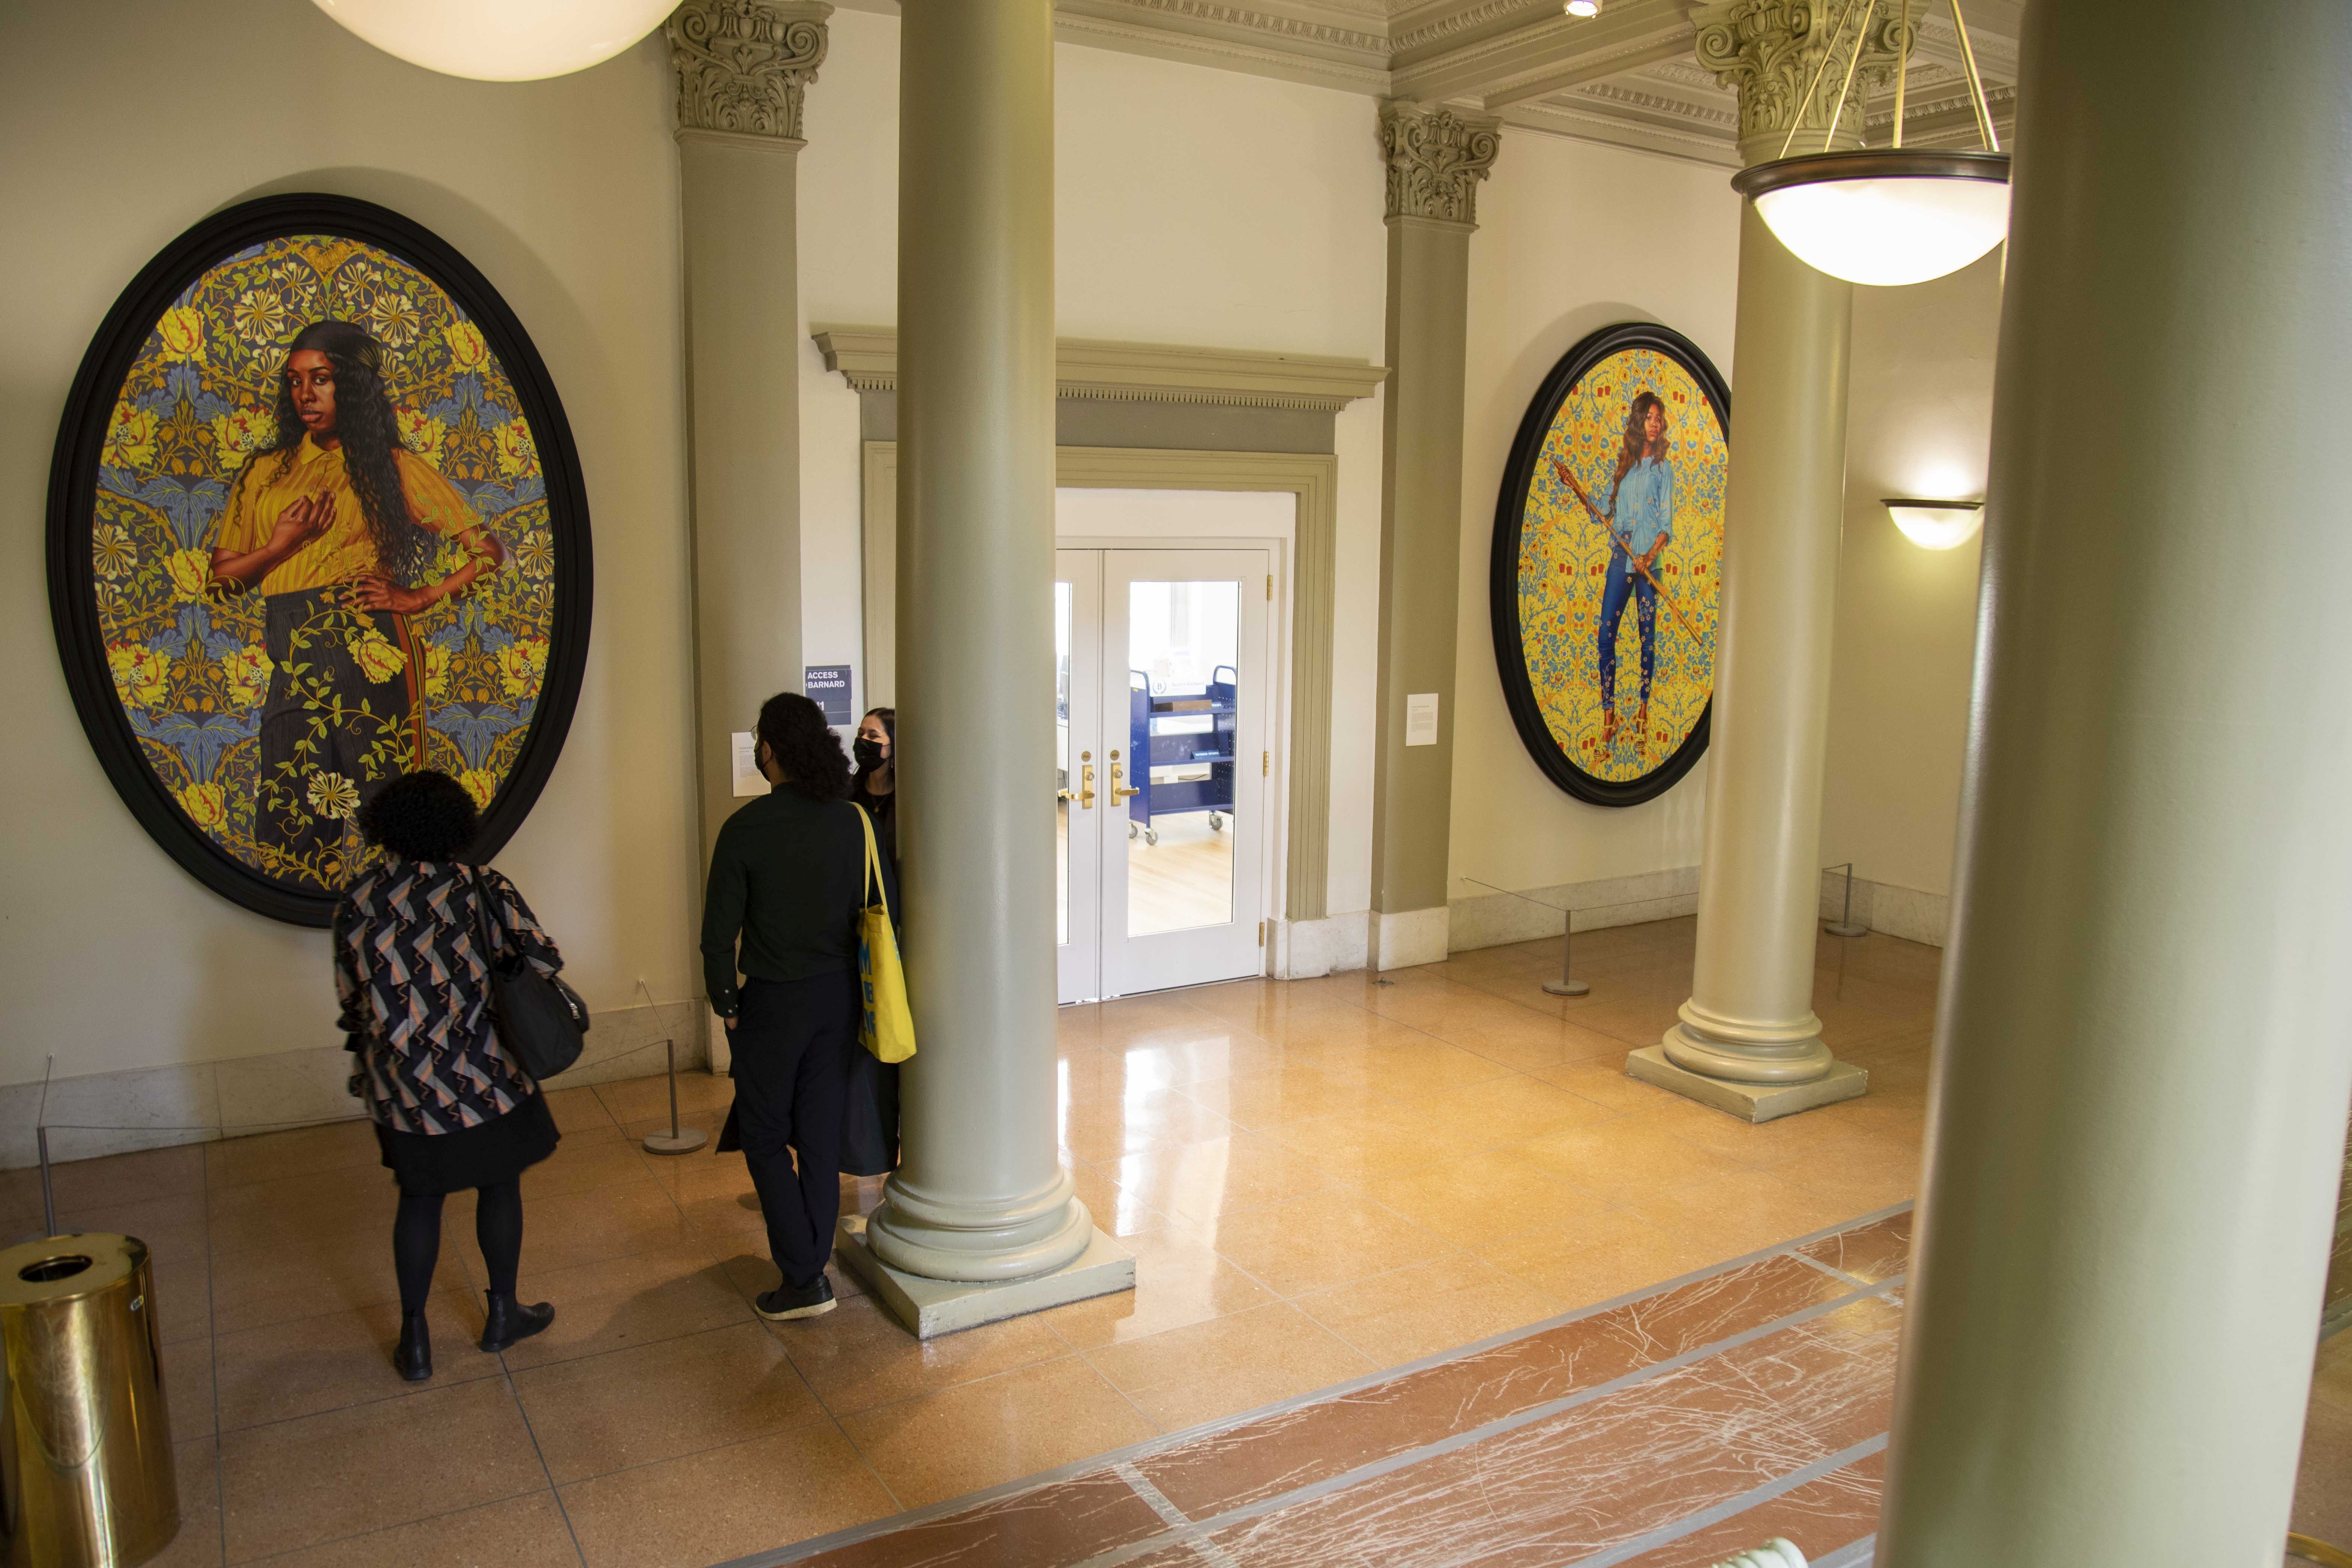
x: 1164, y: 761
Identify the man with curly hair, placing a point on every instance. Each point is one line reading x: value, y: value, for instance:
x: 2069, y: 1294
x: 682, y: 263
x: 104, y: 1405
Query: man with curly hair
x: 339, y: 526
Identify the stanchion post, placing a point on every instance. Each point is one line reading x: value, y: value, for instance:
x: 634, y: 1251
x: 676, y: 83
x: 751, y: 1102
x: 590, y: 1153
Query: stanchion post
x: 48, y: 1188
x: 1568, y: 985
x: 677, y: 1140
x: 1845, y: 926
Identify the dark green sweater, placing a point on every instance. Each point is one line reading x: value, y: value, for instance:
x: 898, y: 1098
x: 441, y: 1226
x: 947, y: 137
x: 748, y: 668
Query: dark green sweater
x: 788, y: 876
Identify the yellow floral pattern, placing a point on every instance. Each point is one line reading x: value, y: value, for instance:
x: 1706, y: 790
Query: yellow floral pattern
x: 188, y: 660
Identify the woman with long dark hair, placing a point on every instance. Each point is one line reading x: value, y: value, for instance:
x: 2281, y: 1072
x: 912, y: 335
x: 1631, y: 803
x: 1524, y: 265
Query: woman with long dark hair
x: 340, y: 526
x: 452, y: 1110
x: 787, y: 880
x: 1639, y: 513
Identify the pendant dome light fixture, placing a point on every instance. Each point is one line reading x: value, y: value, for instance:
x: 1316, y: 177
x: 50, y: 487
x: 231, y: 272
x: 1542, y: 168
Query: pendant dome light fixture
x: 500, y: 40
x: 1890, y: 216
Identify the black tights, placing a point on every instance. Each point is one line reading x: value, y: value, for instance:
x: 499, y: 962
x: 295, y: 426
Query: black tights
x: 416, y: 1240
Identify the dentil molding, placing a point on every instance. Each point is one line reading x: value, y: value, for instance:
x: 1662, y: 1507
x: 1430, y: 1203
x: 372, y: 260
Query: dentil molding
x: 1773, y: 52
x: 744, y: 66
x: 1435, y: 159
x: 867, y: 358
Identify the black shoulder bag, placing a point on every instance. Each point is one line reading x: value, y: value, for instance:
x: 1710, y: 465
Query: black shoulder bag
x: 539, y: 1019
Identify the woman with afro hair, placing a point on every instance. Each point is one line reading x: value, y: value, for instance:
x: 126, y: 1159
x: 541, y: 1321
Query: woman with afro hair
x: 414, y: 937
x: 339, y: 525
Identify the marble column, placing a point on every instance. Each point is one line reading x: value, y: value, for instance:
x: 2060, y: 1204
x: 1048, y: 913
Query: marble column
x: 980, y: 1220
x: 1749, y: 1042
x: 1435, y: 159
x: 2140, y: 1091
x: 743, y: 67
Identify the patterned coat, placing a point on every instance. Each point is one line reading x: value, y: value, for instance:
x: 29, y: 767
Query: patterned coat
x: 415, y: 994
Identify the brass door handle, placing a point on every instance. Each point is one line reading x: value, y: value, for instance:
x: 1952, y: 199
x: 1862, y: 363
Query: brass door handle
x: 1116, y: 793
x: 1085, y: 794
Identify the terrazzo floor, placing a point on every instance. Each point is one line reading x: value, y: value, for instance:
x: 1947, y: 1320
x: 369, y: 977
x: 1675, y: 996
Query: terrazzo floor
x: 1329, y: 1186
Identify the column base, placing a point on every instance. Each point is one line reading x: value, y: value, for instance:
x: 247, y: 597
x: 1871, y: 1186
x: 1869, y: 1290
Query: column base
x: 1749, y: 1101
x: 1409, y: 937
x: 930, y: 1308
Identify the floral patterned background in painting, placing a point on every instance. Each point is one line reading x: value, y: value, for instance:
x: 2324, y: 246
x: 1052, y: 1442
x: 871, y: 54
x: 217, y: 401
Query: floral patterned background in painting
x: 1564, y: 554
x: 190, y: 666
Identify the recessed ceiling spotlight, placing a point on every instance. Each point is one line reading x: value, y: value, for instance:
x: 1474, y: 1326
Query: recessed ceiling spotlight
x: 1582, y: 7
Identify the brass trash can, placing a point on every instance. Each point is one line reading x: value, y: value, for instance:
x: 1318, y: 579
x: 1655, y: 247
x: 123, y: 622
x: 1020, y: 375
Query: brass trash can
x: 85, y: 1441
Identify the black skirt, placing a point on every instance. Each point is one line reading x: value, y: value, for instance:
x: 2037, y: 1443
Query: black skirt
x: 488, y: 1155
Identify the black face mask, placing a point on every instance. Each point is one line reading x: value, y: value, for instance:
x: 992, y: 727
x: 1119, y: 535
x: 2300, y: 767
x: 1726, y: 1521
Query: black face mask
x: 867, y: 753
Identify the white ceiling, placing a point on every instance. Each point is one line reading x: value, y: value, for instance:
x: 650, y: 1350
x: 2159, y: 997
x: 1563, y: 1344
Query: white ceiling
x: 1627, y: 77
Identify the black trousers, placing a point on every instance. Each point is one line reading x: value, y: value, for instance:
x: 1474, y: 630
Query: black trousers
x: 792, y: 1042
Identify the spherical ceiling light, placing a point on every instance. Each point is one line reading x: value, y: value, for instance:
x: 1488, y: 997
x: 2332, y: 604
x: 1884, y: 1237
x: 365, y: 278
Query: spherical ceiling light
x: 1886, y: 218
x: 1582, y: 7
x: 500, y: 40
x: 1890, y: 215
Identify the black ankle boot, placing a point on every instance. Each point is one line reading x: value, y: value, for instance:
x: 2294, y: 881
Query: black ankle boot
x: 509, y: 1321
x: 414, y: 1358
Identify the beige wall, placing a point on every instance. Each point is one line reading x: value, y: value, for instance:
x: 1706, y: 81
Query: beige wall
x: 1193, y: 207
x: 1919, y: 424
x: 121, y: 131
x: 1572, y: 238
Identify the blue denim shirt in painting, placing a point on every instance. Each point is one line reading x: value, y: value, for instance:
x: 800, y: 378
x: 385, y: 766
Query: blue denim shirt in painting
x: 1642, y: 510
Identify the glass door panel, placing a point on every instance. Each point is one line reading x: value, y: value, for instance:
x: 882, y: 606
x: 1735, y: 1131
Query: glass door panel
x: 1183, y: 658
x: 1079, y: 805
x: 1184, y: 721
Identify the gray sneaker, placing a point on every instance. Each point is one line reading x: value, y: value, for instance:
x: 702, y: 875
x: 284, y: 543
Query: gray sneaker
x: 785, y: 1303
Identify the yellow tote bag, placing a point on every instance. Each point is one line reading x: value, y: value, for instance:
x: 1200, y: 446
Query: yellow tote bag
x: 888, y: 1027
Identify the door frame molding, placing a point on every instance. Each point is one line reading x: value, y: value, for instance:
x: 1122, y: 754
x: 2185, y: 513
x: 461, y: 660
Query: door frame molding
x: 1311, y: 478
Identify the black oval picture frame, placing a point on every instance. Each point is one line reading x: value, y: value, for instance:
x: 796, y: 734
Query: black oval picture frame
x: 540, y: 578
x: 1534, y: 487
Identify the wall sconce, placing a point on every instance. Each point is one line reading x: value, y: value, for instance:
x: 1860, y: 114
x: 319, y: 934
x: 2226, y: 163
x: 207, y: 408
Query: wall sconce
x: 1937, y: 524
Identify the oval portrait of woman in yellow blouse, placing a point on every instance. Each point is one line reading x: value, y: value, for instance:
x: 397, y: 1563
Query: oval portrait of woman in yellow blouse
x: 1608, y: 563
x: 315, y: 522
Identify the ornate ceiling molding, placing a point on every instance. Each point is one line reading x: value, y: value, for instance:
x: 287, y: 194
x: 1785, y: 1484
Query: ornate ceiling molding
x: 1435, y: 159
x: 867, y: 358
x: 743, y: 65
x: 1632, y: 77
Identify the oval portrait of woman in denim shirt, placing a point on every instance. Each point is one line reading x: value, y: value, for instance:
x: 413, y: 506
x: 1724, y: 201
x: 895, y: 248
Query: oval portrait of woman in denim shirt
x: 1608, y: 561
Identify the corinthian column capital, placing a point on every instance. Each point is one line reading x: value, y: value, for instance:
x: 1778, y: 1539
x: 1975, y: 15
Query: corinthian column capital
x: 744, y: 66
x: 1773, y: 52
x: 1435, y: 159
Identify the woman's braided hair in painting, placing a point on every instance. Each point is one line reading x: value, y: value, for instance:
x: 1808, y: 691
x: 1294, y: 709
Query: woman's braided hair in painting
x: 806, y: 750
x: 370, y: 434
x: 1636, y: 439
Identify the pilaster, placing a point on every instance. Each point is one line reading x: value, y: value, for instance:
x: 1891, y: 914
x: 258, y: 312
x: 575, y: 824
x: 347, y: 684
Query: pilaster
x: 744, y: 66
x: 1435, y: 160
x: 743, y: 69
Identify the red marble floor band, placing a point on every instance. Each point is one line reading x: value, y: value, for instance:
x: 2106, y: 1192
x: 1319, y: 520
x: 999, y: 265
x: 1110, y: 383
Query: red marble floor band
x: 1820, y: 1517
x: 1674, y: 1402
x: 1562, y: 1490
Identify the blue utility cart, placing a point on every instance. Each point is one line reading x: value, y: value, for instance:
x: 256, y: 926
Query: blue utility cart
x: 1189, y: 730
